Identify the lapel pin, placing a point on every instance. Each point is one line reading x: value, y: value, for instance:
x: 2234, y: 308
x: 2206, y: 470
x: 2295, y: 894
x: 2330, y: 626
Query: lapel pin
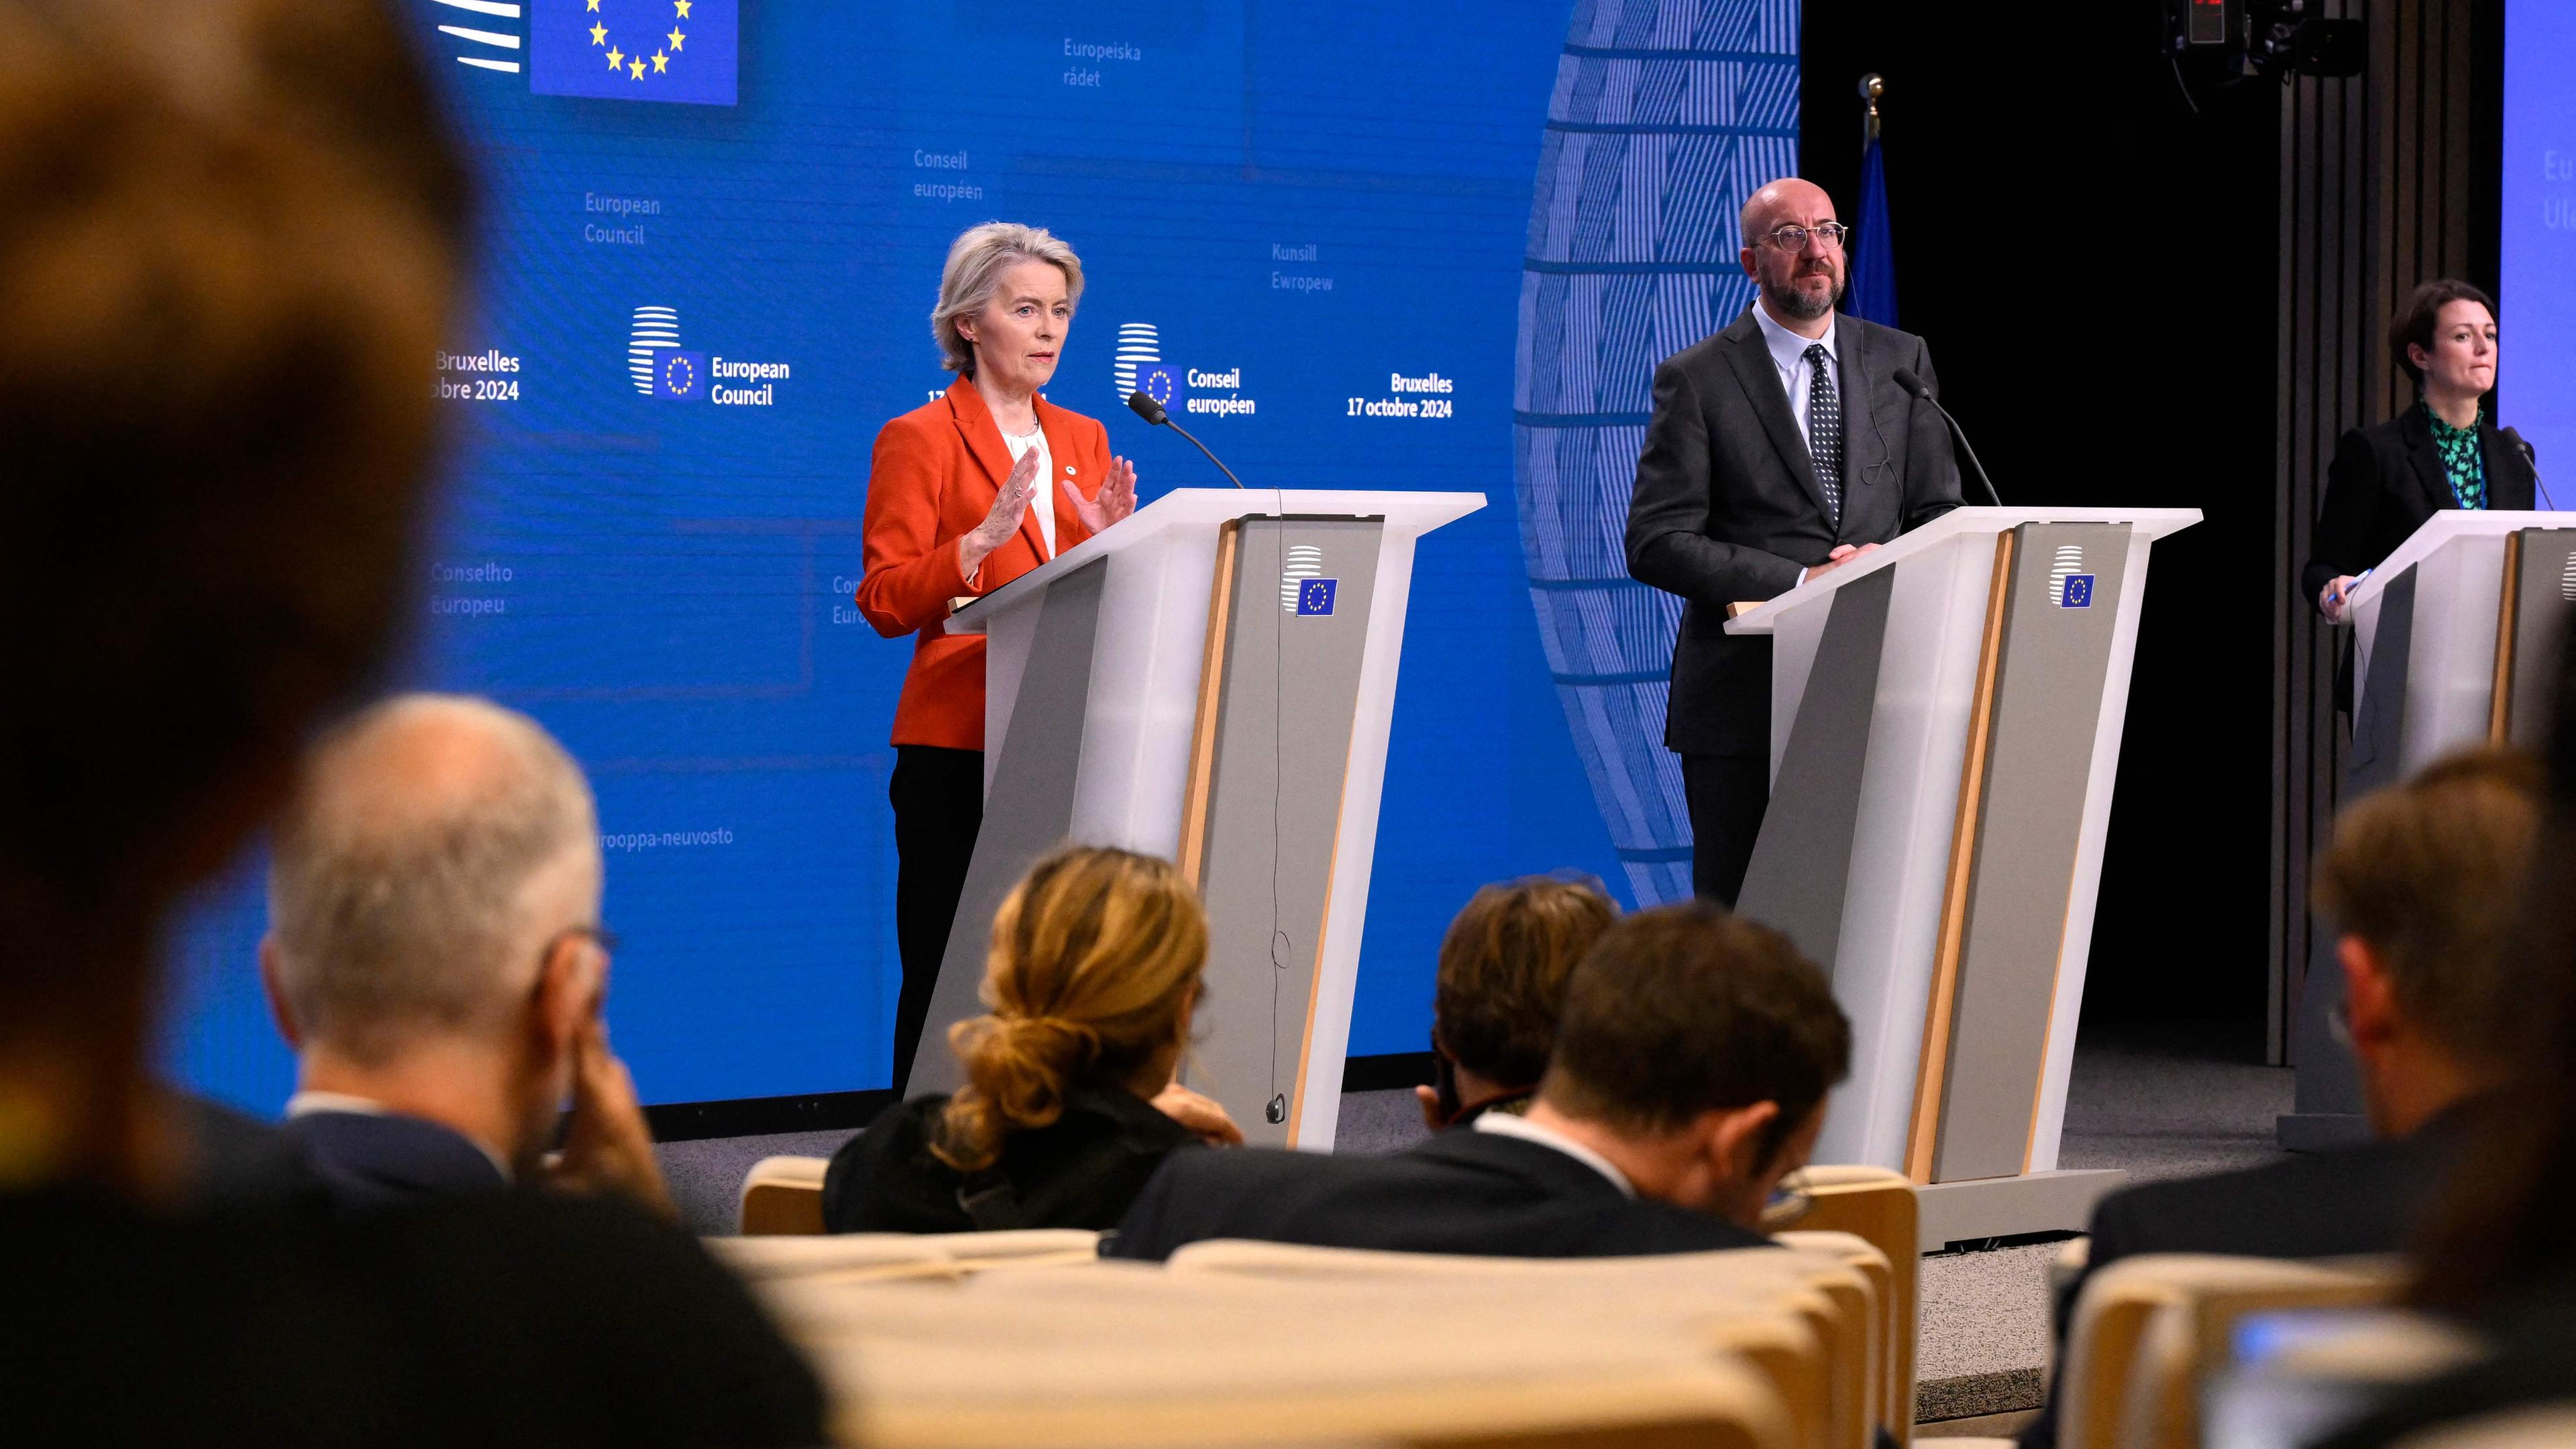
x: 1068, y: 468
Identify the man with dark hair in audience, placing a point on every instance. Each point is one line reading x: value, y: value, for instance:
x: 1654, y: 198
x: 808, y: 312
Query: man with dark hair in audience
x: 436, y: 959
x: 2421, y: 881
x: 230, y: 237
x: 1500, y: 987
x: 1689, y: 1075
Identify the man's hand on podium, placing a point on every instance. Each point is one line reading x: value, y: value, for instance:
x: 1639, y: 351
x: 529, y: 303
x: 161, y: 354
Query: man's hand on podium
x: 1841, y: 555
x: 1117, y: 497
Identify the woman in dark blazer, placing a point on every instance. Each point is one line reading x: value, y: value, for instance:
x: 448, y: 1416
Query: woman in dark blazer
x: 1069, y: 1103
x: 2444, y: 452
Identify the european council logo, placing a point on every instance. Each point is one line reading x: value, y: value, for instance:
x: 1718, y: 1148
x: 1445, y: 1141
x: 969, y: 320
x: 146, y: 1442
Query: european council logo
x: 635, y: 50
x: 655, y: 361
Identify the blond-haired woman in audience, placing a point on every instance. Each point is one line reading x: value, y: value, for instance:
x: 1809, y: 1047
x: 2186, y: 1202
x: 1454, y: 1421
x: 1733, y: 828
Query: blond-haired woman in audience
x: 1069, y: 1103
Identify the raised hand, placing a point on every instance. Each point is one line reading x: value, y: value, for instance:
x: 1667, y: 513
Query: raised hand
x: 1117, y: 497
x: 607, y: 1146
x: 1200, y: 1114
x: 1003, y: 519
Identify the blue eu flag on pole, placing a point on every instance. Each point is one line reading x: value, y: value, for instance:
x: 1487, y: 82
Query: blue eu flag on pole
x: 1872, y: 293
x: 635, y: 50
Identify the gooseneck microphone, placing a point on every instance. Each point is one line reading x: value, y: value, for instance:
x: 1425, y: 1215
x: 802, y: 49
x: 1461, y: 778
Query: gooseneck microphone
x: 1906, y: 379
x: 1152, y: 412
x: 2530, y: 460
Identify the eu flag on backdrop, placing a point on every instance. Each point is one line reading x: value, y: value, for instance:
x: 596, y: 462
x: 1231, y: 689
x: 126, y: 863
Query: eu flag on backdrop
x: 635, y: 50
x: 1872, y: 292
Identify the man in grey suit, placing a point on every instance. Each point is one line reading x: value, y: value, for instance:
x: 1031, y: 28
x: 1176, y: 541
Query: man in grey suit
x: 1779, y: 449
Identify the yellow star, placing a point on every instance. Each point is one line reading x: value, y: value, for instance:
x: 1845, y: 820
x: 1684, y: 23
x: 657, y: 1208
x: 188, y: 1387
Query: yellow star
x: 661, y: 62
x: 676, y: 37
x: 594, y: 4
x: 599, y: 35
x: 636, y: 66
x: 616, y: 58
x: 682, y: 6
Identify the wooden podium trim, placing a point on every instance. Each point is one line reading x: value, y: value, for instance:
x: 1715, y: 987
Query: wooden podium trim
x: 1923, y: 1138
x: 1195, y: 796
x: 2500, y: 702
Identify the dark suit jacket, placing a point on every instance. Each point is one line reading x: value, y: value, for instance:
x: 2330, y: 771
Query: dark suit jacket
x: 1727, y: 506
x: 1463, y: 1191
x: 519, y: 1318
x: 364, y: 1160
x: 2363, y: 1199
x: 2386, y: 480
x: 1079, y: 1171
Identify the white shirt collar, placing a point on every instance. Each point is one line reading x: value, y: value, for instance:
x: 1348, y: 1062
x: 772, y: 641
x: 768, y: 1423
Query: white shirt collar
x: 305, y: 1104
x: 1787, y: 347
x: 1506, y: 1125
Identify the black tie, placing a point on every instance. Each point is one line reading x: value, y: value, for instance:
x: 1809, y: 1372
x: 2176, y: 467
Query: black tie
x: 1825, y: 429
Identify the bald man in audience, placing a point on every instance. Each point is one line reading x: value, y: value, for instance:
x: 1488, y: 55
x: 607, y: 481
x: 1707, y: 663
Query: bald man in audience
x: 2421, y: 881
x: 436, y: 959
x: 1689, y: 1075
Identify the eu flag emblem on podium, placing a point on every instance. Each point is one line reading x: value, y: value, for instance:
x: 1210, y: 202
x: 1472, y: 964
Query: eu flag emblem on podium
x: 680, y: 376
x: 1315, y: 596
x: 635, y: 50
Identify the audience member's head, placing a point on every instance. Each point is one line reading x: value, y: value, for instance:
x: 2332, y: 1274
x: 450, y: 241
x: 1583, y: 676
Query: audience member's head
x: 2422, y: 881
x: 1094, y: 969
x: 2503, y: 1229
x: 227, y: 250
x: 1695, y: 1052
x: 1501, y: 982
x: 434, y: 943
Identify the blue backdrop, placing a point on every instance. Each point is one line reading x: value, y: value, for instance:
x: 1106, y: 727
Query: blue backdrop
x: 2537, y: 328
x: 714, y: 235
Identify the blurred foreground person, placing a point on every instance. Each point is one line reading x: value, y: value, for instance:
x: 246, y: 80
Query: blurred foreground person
x: 2421, y: 882
x: 2501, y: 1255
x: 435, y: 957
x: 1069, y: 1103
x: 230, y: 234
x: 1689, y: 1076
x: 1500, y: 989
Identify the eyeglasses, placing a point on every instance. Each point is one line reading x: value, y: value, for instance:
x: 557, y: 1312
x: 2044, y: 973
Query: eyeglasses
x: 1794, y: 238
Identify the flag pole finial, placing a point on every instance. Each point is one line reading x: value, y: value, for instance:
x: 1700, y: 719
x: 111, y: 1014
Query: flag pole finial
x: 1871, y: 88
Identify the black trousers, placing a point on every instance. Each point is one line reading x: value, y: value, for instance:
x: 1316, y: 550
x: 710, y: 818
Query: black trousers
x: 1727, y: 795
x: 938, y: 797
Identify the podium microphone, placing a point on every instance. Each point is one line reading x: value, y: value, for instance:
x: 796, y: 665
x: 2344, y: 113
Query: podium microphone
x: 1152, y: 412
x: 2530, y: 460
x: 1906, y: 379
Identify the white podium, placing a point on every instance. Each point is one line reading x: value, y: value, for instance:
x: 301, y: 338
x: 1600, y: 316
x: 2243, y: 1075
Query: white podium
x: 1945, y: 729
x: 1211, y: 680
x: 2455, y: 643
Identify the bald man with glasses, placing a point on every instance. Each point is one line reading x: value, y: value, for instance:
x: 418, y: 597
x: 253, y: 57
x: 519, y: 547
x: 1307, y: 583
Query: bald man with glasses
x: 1779, y: 449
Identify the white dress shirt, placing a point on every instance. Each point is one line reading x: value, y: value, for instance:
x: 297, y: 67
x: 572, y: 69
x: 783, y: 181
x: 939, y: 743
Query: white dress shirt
x: 1506, y: 1125
x: 1789, y: 354
x: 1042, y: 496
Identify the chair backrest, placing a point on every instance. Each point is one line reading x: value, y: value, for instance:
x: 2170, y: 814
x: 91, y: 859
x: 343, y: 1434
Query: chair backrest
x: 2147, y: 1329
x: 2542, y: 1426
x: 1879, y: 1207
x: 1886, y: 1383
x: 1810, y: 1320
x: 782, y: 1195
x: 848, y: 1256
x: 1124, y: 1353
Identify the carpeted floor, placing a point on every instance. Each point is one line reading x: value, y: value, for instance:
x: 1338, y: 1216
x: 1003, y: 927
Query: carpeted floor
x: 2161, y: 1102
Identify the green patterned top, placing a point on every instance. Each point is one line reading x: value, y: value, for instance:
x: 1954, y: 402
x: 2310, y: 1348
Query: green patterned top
x: 2462, y: 459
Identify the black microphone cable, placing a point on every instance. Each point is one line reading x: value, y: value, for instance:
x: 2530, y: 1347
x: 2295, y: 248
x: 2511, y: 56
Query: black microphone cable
x: 1906, y: 379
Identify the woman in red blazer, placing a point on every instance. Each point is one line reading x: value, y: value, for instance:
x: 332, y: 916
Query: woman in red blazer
x: 949, y: 516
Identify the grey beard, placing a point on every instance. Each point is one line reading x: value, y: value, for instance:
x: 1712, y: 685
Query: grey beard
x: 1796, y: 304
